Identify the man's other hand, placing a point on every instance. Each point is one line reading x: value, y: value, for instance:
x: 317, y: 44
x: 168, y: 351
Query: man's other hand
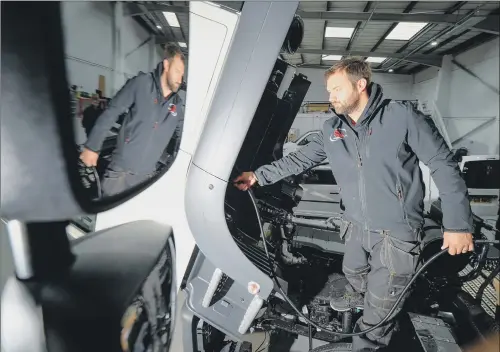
x: 457, y: 242
x: 89, y: 157
x: 246, y: 180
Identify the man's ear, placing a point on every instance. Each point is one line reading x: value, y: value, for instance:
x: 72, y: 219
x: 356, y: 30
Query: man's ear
x: 362, y: 85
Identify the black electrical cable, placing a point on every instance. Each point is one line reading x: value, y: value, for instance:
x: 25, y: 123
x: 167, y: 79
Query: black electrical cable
x: 407, y: 287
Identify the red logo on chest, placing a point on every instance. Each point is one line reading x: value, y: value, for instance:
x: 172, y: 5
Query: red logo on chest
x: 337, y: 134
x: 172, y: 108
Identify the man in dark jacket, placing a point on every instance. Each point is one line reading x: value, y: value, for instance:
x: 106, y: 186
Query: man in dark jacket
x: 155, y: 115
x: 374, y: 146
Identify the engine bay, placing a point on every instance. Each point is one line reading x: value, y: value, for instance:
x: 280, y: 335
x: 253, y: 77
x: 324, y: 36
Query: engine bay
x: 302, y: 230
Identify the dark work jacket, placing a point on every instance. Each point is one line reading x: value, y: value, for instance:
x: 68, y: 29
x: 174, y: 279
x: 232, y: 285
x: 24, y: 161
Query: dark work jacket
x: 376, y: 165
x: 148, y: 127
x: 90, y: 116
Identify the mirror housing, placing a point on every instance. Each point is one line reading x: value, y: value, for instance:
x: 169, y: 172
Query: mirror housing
x: 120, y: 285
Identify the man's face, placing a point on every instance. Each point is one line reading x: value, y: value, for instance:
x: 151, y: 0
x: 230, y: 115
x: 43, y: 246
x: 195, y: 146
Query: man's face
x: 343, y: 94
x: 175, y: 72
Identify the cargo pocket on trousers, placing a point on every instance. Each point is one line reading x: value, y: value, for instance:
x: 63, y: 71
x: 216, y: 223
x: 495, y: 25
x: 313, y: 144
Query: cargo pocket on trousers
x: 401, y: 259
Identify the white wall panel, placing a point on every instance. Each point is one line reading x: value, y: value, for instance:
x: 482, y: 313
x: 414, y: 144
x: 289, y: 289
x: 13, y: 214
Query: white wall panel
x: 471, y: 102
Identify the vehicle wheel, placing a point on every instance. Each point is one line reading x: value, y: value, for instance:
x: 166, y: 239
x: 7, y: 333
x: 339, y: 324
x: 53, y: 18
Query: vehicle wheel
x: 334, y: 347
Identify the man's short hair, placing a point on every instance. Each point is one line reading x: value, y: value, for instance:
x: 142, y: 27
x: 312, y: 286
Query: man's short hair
x: 355, y: 67
x: 171, y: 51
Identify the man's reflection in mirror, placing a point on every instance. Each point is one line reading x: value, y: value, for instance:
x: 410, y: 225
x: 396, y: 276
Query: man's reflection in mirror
x: 155, y: 118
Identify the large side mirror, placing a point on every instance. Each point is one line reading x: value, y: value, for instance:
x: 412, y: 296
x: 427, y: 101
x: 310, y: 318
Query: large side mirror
x: 41, y: 158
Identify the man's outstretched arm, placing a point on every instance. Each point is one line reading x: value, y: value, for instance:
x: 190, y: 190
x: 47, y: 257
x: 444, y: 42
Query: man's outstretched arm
x: 122, y: 101
x: 294, y: 163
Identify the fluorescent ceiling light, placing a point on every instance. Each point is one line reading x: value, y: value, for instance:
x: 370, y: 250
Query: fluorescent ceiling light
x: 159, y: 27
x: 171, y: 19
x: 406, y: 30
x: 434, y: 43
x: 376, y: 59
x: 338, y: 32
x: 332, y: 58
x: 182, y: 44
x: 391, y: 70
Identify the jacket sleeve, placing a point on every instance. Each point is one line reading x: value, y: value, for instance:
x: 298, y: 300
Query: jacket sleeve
x: 294, y: 163
x: 429, y: 146
x: 122, y: 101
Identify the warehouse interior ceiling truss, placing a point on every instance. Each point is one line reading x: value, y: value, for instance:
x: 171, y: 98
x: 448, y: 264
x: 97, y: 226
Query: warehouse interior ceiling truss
x: 394, y: 36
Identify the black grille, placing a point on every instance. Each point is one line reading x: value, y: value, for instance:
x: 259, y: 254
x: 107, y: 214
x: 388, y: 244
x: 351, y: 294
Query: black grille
x: 256, y: 255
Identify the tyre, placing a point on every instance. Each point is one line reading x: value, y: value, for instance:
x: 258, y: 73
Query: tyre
x: 334, y: 347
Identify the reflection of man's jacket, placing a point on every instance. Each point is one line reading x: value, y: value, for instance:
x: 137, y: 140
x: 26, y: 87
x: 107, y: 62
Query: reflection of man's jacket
x: 90, y: 115
x: 152, y: 121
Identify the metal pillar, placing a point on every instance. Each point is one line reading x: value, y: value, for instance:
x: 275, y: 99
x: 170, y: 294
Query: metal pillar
x: 118, y: 59
x: 442, y: 97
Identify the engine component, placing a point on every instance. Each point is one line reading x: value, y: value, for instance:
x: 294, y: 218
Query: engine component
x: 326, y: 241
x: 434, y: 334
x: 347, y: 321
x: 318, y: 224
x: 300, y: 329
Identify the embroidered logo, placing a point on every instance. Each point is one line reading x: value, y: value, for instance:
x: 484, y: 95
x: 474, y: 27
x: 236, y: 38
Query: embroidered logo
x: 339, y: 133
x: 172, y: 108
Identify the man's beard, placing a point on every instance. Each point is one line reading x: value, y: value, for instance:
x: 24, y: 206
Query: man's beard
x: 348, y: 107
x: 172, y: 86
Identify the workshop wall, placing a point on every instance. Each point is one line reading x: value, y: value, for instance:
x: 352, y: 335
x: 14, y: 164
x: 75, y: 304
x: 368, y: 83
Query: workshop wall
x: 88, y: 31
x: 471, y: 103
x: 397, y: 87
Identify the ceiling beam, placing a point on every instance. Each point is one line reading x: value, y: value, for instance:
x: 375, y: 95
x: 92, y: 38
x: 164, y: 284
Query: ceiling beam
x: 488, y: 25
x: 455, y: 7
x: 163, y: 40
x: 357, y: 28
x: 409, y: 8
x: 389, y: 17
x: 428, y: 60
x: 326, y: 67
x: 146, y: 8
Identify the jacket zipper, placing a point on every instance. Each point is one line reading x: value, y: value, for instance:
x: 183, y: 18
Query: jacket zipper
x: 146, y: 148
x: 361, y: 185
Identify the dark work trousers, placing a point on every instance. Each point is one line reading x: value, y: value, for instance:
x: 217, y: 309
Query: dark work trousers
x: 116, y: 180
x: 378, y: 265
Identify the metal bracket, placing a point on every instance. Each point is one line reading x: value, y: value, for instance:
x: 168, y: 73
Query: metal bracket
x: 489, y: 86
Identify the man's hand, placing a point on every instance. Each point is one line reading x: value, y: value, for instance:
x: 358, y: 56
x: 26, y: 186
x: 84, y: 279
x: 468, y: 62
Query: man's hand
x: 89, y: 157
x: 457, y: 242
x: 246, y: 180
